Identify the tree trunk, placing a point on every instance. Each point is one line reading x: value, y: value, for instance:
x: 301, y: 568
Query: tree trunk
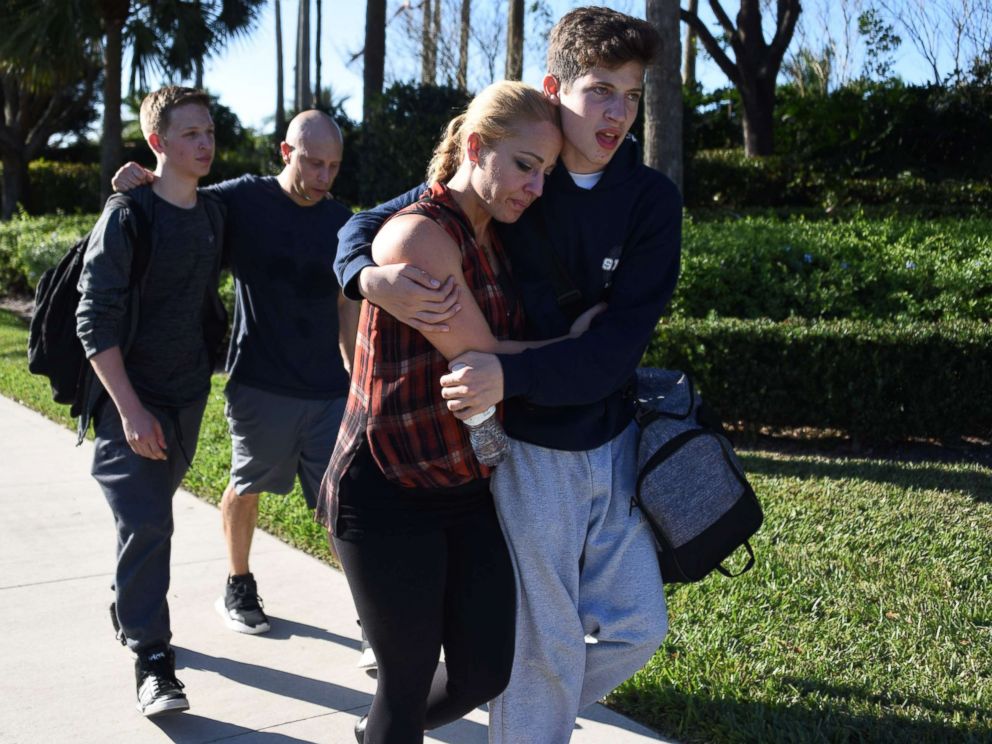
x: 280, y: 78
x: 15, y: 184
x: 317, y: 93
x: 756, y: 62
x: 111, y: 146
x: 462, y: 80
x: 759, y: 119
x: 436, y: 36
x: 515, y: 41
x: 689, y: 50
x: 303, y: 57
x: 428, y: 46
x: 375, y: 54
x: 663, y: 94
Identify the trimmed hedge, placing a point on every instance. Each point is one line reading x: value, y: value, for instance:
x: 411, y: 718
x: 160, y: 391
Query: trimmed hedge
x: 878, y: 381
x: 63, y: 187
x: 859, y: 268
x: 727, y: 178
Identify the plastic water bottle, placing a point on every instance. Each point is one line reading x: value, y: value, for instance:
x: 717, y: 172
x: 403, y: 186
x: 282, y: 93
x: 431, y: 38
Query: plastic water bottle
x: 486, y: 434
x: 487, y: 437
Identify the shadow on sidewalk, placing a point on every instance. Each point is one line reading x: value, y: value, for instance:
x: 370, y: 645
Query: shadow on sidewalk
x: 188, y: 728
x: 284, y: 629
x: 325, y: 694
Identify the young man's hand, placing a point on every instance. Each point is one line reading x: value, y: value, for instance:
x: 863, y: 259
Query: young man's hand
x: 131, y: 176
x: 411, y: 296
x: 144, y: 433
x: 472, y: 388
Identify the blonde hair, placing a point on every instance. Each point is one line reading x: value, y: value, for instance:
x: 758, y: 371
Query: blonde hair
x: 497, y: 112
x: 157, y: 106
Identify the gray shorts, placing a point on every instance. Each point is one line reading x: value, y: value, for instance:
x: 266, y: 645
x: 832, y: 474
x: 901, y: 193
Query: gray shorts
x: 275, y: 438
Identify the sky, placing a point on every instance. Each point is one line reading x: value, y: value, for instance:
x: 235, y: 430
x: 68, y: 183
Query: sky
x: 244, y: 76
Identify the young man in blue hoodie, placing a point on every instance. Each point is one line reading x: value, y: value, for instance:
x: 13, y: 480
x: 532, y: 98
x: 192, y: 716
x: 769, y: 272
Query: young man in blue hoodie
x: 591, y: 608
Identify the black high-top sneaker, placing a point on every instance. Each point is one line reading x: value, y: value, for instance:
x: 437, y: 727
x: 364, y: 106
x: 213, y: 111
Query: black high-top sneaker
x: 158, y: 689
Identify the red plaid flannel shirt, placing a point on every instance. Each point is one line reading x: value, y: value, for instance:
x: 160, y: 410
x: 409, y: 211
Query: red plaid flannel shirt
x: 395, y: 396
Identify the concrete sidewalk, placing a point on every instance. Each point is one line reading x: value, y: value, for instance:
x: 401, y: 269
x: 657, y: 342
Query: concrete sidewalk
x: 65, y: 679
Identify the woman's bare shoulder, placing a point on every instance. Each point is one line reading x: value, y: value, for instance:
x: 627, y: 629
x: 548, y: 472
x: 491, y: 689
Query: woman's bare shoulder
x: 415, y: 239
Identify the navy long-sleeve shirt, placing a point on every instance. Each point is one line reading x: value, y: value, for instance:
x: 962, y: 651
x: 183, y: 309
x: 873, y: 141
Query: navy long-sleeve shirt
x: 574, y: 394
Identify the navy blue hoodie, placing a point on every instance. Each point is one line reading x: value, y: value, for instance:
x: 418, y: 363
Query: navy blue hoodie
x: 574, y: 394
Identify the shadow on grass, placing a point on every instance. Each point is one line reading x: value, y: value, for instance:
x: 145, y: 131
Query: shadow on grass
x: 976, y: 484
x: 825, y: 716
x: 887, y: 699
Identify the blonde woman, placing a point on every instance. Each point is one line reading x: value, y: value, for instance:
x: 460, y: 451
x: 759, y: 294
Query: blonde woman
x: 406, y: 501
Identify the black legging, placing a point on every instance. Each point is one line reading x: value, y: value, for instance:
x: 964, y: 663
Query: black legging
x: 453, y: 585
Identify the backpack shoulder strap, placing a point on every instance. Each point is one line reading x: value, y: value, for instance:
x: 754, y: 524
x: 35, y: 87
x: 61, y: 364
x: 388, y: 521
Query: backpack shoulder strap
x: 140, y: 227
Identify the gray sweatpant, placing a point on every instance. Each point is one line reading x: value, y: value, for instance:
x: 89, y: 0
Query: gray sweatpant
x: 139, y: 492
x: 586, y: 566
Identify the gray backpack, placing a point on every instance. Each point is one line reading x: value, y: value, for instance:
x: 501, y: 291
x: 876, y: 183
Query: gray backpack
x: 690, y: 485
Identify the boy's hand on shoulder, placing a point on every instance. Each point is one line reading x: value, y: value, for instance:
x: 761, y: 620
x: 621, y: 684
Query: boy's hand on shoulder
x: 144, y: 433
x: 411, y: 295
x: 131, y: 176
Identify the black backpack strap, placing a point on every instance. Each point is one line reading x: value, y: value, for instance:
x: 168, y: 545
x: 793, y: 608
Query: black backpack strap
x: 140, y: 228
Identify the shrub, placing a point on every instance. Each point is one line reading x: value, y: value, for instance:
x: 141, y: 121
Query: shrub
x: 63, y: 187
x: 854, y: 268
x: 30, y: 245
x: 879, y: 381
x: 727, y: 178
x: 871, y: 130
x: 399, y: 136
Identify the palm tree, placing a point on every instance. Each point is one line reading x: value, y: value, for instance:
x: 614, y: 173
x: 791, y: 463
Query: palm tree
x: 169, y: 36
x: 515, y: 41
x: 375, y: 54
x: 663, y: 94
x: 41, y: 94
x: 316, y: 81
x: 428, y: 44
x: 302, y: 98
x: 462, y: 78
x: 280, y: 76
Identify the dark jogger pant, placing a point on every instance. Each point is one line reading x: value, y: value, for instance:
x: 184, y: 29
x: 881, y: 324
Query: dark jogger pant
x: 414, y: 592
x: 139, y: 492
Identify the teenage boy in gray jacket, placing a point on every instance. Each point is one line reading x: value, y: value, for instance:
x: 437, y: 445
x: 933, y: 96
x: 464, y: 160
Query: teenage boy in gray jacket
x: 156, y: 376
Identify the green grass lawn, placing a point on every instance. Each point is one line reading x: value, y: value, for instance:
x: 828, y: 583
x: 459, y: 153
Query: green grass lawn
x: 868, y: 617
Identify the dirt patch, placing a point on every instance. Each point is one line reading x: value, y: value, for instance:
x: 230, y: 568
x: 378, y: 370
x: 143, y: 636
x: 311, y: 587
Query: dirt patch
x: 19, y: 305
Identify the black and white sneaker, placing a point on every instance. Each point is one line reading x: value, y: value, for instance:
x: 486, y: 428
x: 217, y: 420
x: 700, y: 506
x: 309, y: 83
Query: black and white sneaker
x: 158, y: 689
x: 241, y: 607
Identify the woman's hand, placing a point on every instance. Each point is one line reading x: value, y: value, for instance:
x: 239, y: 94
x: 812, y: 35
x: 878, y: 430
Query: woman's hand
x: 582, y: 323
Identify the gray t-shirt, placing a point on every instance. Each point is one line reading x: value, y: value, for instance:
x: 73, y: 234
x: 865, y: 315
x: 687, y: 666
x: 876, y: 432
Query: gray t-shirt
x: 168, y: 363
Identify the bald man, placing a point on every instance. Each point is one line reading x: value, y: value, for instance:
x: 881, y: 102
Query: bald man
x: 292, y: 340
